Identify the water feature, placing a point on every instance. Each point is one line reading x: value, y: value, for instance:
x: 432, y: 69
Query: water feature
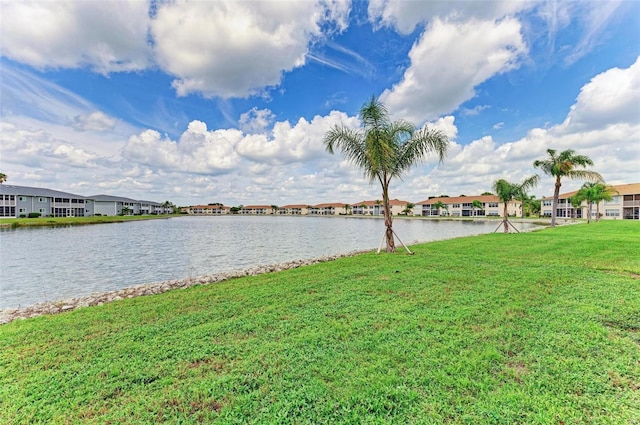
x: 48, y: 264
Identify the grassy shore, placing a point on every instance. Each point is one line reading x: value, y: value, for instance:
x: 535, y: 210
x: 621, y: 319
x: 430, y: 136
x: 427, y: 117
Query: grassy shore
x: 532, y: 328
x: 69, y: 221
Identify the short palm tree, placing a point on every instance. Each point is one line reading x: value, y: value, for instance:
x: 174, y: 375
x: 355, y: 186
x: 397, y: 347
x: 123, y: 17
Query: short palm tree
x: 594, y: 193
x: 385, y: 149
x: 439, y: 206
x: 3, y: 178
x: 507, y: 192
x: 561, y: 165
x: 476, y: 205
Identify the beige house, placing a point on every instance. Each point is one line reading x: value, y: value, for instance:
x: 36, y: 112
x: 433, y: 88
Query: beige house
x: 375, y: 207
x: 206, y: 210
x: 256, y: 210
x: 462, y: 206
x: 624, y: 205
x: 327, y: 209
x: 294, y: 209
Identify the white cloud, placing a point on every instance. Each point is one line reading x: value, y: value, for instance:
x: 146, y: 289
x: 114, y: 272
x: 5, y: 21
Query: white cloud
x: 610, y: 97
x: 292, y: 143
x: 256, y: 120
x: 449, y: 61
x: 404, y: 15
x: 95, y: 121
x: 198, y: 151
x: 105, y: 36
x: 236, y: 49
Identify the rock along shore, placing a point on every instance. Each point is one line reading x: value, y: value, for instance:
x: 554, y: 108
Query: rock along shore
x: 60, y: 306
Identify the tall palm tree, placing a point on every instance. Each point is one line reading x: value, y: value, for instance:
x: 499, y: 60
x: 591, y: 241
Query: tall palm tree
x: 561, y: 165
x: 385, y: 149
x: 594, y: 193
x: 507, y: 192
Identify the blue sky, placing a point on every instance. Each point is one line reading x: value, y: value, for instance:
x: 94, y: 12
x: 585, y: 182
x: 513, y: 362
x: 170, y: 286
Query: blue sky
x: 228, y: 101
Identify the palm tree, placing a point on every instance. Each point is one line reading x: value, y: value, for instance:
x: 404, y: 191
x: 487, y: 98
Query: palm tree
x: 347, y: 208
x: 564, y: 165
x: 3, y: 178
x: 507, y: 192
x: 385, y: 149
x: 439, y: 206
x: 476, y: 205
x: 595, y: 193
x: 576, y: 200
x: 409, y: 208
x: 274, y: 209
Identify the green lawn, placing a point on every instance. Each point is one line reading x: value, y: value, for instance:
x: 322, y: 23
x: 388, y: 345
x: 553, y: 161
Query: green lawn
x: 65, y: 221
x: 530, y: 328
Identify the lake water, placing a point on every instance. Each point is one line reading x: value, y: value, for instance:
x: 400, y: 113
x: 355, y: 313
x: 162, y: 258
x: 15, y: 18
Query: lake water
x: 48, y: 264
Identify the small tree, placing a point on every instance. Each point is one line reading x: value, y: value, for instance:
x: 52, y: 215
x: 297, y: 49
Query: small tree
x: 595, y: 193
x: 409, y: 208
x: 439, y: 206
x: 476, y: 205
x: 507, y: 192
x: 274, y: 209
x: 3, y: 178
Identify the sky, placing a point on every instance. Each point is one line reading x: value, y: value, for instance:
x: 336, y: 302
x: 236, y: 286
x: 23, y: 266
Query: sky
x: 229, y: 101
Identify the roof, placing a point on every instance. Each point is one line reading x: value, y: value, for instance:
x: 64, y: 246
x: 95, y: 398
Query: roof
x: 294, y: 206
x: 379, y: 202
x: 6, y: 189
x: 256, y: 207
x: 622, y: 189
x: 110, y: 198
x: 212, y: 207
x: 460, y: 199
x: 329, y: 205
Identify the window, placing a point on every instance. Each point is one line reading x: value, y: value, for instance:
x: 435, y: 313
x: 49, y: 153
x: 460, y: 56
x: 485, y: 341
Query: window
x: 546, y: 203
x: 612, y: 213
x: 614, y: 200
x: 42, y: 210
x: 21, y: 199
x: 22, y: 210
x: 42, y: 200
x: 455, y: 206
x: 493, y: 205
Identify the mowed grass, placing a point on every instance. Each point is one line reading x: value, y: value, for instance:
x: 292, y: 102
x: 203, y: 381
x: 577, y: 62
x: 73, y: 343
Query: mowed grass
x: 67, y: 221
x: 531, y: 328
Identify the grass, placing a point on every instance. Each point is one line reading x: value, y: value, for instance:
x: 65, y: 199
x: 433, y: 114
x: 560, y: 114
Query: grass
x: 531, y: 328
x: 68, y: 221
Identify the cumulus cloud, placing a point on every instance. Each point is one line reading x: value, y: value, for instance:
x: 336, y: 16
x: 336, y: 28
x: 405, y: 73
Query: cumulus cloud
x: 72, y: 34
x: 198, y: 151
x: 236, y: 49
x: 95, y: 121
x: 449, y: 61
x: 41, y: 149
x: 256, y: 120
x: 300, y: 142
x: 404, y: 15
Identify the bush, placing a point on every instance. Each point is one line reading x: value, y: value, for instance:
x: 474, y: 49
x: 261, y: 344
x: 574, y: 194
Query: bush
x: 22, y: 216
x: 34, y: 214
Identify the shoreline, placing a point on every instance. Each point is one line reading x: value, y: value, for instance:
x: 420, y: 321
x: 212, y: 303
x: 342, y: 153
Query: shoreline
x: 8, y: 315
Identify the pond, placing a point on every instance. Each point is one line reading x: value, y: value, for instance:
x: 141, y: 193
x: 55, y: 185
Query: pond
x: 48, y: 264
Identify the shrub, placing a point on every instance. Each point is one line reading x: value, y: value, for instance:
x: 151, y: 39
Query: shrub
x: 34, y: 214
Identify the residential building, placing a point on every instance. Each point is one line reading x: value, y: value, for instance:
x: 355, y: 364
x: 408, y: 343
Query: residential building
x: 327, y: 209
x: 375, y: 207
x: 625, y: 204
x: 462, y: 206
x: 294, y: 209
x: 256, y: 210
x: 217, y: 209
x: 17, y: 201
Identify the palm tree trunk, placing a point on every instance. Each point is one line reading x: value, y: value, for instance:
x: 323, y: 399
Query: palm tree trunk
x: 504, y: 219
x: 556, y: 195
x: 388, y: 219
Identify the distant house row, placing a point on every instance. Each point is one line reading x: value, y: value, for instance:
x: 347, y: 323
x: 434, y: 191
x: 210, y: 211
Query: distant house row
x: 21, y: 201
x: 625, y: 204
x: 462, y: 206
